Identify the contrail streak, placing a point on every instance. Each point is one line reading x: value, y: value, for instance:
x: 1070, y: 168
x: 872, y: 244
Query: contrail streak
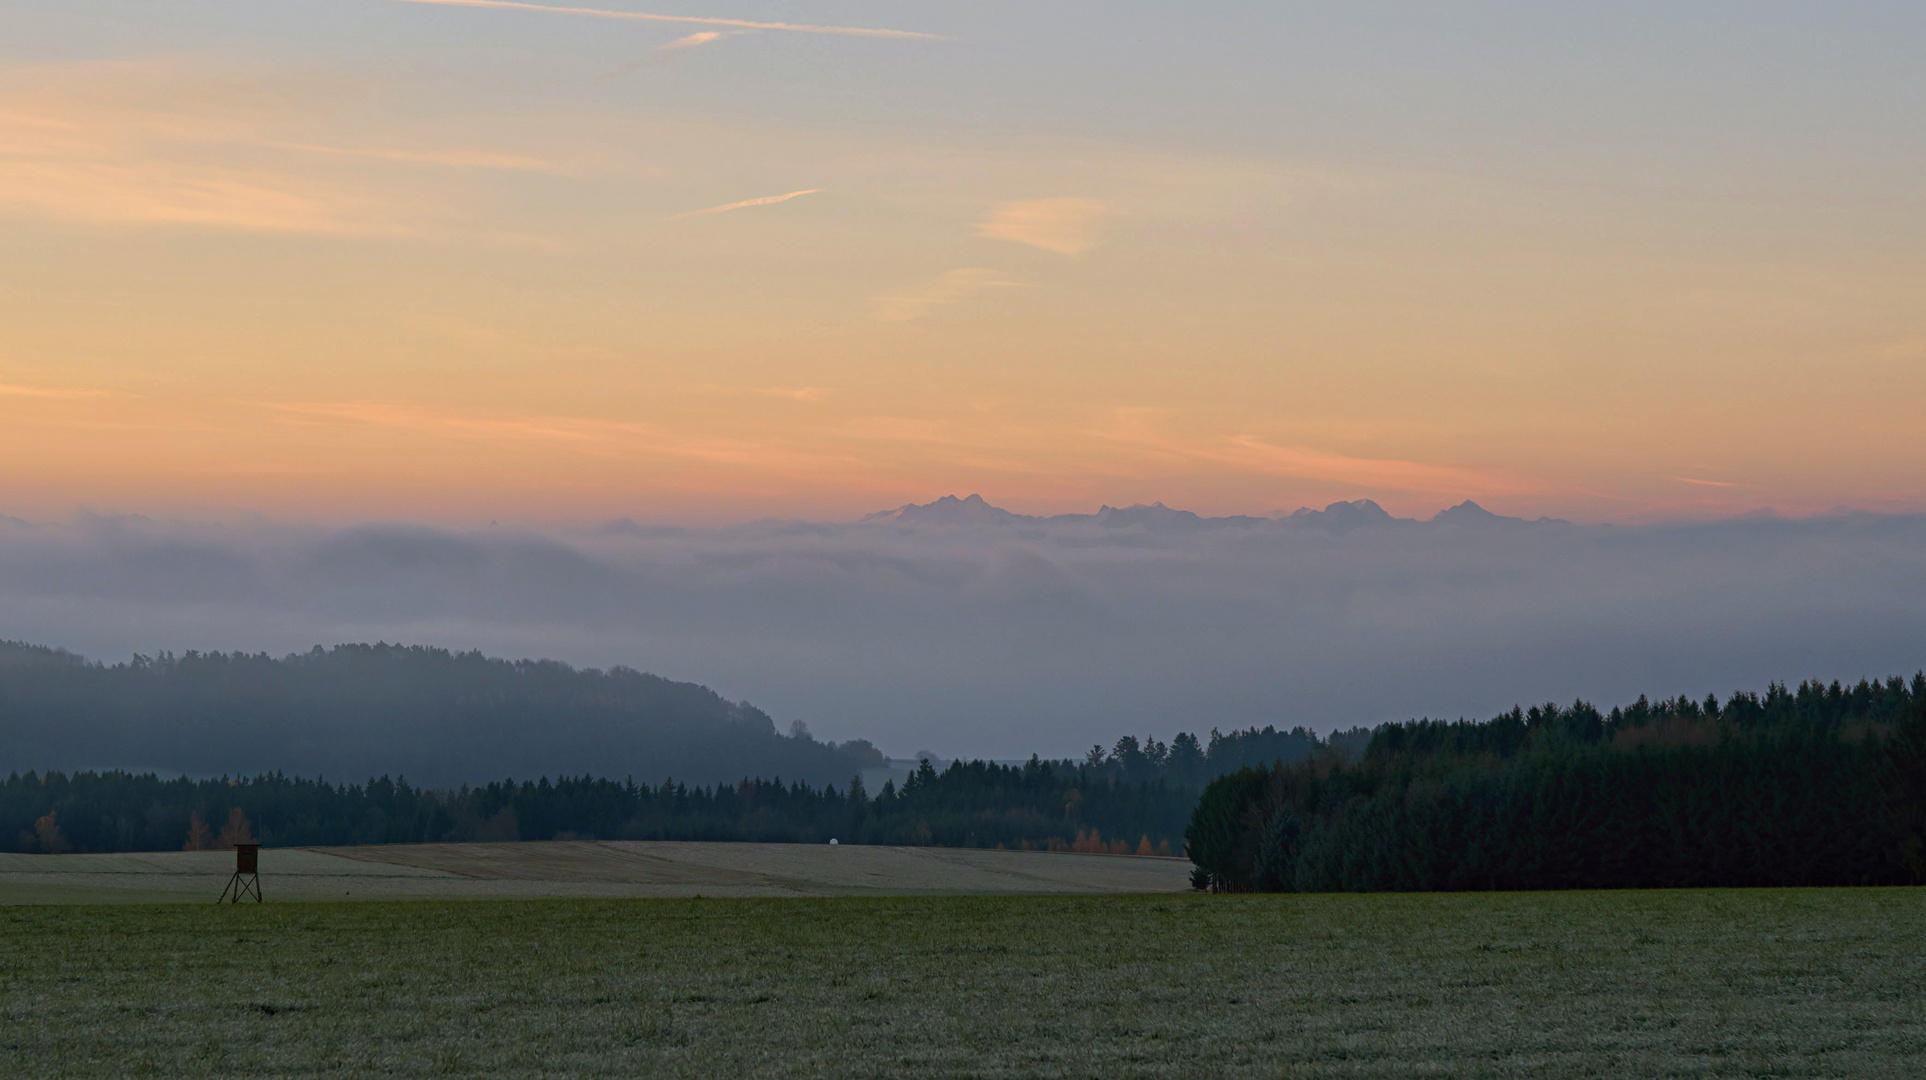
x: 604, y: 13
x: 764, y: 201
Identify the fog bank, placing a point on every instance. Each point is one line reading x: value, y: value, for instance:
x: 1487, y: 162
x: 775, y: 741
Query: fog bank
x: 964, y: 631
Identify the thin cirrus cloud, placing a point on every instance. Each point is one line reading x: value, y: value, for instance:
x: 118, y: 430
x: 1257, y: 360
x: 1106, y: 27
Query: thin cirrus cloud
x: 803, y: 394
x: 668, y: 51
x: 745, y: 24
x: 702, y: 37
x: 1903, y: 349
x: 953, y: 286
x: 1065, y: 226
x: 161, y: 193
x: 16, y: 390
x: 455, y: 426
x: 1384, y: 474
x: 94, y: 147
x: 584, y: 436
x: 1140, y: 430
x: 766, y: 200
x: 454, y: 159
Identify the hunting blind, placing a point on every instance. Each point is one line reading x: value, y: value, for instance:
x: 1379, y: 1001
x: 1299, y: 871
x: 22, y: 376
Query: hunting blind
x: 247, y: 874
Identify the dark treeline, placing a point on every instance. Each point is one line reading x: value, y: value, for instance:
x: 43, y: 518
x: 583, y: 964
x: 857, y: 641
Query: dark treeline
x: 440, y: 717
x: 1048, y: 805
x: 1135, y: 798
x: 1822, y: 785
x: 446, y: 718
x: 1188, y: 762
x: 80, y: 738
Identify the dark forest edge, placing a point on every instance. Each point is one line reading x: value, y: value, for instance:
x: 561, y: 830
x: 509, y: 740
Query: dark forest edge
x: 1132, y: 799
x: 1822, y: 785
x: 1825, y: 784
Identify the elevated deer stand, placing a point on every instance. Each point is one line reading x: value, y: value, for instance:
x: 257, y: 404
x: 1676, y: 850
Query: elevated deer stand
x: 247, y: 874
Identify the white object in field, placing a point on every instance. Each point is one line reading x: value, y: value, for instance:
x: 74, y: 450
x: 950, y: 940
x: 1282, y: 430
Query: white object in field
x: 832, y: 841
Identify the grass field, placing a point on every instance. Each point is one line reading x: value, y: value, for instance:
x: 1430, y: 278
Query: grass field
x: 1819, y: 982
x: 581, y: 868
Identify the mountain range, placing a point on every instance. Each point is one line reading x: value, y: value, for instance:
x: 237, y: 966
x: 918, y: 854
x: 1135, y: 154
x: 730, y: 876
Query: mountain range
x: 1337, y: 517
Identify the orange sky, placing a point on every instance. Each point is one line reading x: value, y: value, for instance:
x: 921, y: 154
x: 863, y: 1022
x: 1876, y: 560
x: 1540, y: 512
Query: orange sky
x: 461, y: 263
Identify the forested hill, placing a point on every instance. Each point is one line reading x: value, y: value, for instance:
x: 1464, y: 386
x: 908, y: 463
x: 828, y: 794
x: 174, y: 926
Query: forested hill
x: 1133, y: 797
x: 439, y: 718
x: 1819, y: 785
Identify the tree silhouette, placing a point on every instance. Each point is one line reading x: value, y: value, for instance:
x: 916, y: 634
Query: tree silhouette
x: 237, y: 831
x: 47, y: 833
x: 199, y: 838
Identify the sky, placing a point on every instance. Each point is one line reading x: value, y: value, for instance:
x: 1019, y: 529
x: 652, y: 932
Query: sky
x: 338, y: 320
x: 708, y: 262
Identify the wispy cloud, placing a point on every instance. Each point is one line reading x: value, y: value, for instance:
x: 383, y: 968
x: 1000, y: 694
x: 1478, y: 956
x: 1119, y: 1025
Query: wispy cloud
x: 171, y: 193
x: 953, y: 286
x: 1389, y: 474
x: 766, y: 200
x: 667, y: 52
x: 16, y: 390
x: 703, y: 37
x: 588, y: 436
x: 802, y: 394
x: 418, y: 324
x: 1903, y: 349
x: 166, y: 144
x: 1706, y: 483
x: 1143, y: 431
x: 1065, y: 226
x: 116, y: 145
x: 456, y: 159
x: 452, y: 425
x: 745, y: 24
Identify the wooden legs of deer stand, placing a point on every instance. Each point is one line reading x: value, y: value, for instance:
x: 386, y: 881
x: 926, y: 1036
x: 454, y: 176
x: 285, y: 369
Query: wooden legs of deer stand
x: 241, y: 885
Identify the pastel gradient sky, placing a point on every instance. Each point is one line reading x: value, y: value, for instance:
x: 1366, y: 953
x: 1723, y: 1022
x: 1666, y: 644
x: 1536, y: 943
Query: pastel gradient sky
x: 457, y: 260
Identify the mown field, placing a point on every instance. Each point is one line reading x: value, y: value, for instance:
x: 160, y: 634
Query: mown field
x: 1820, y: 982
x: 581, y: 869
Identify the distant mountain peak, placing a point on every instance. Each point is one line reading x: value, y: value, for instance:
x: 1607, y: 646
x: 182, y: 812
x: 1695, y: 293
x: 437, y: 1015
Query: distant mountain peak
x: 1152, y: 516
x: 948, y: 510
x: 1356, y: 514
x: 1342, y: 516
x: 1469, y: 513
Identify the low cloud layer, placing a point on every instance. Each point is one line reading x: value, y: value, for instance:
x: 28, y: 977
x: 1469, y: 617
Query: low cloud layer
x: 962, y: 630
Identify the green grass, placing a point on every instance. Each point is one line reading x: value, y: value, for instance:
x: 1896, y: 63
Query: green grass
x: 15, y: 892
x: 1820, y: 982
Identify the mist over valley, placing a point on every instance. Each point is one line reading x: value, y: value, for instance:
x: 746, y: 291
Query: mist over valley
x: 964, y: 630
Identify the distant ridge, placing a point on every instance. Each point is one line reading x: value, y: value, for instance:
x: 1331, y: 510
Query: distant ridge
x: 974, y: 510
x: 949, y: 510
x: 436, y: 716
x: 1345, y: 516
x: 1472, y: 515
